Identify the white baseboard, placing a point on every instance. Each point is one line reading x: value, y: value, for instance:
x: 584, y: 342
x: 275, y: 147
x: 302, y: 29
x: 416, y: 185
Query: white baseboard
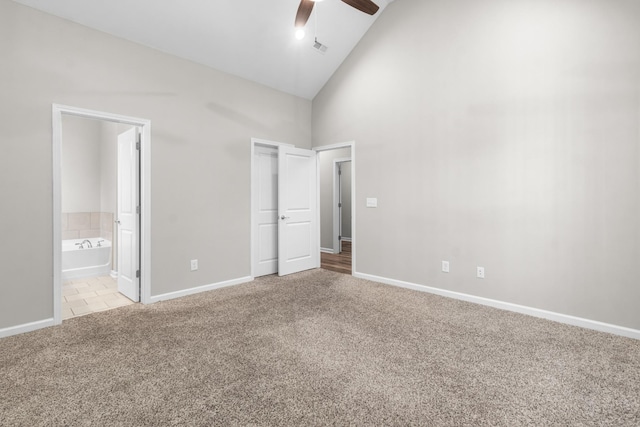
x: 326, y: 250
x: 196, y: 290
x: 27, y: 327
x: 535, y: 312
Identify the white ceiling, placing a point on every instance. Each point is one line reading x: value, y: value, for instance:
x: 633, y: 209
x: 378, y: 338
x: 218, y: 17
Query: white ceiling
x: 253, y: 39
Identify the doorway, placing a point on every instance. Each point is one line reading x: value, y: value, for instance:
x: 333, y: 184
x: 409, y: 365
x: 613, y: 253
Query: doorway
x: 284, y: 217
x: 267, y: 218
x: 126, y: 221
x: 336, y: 212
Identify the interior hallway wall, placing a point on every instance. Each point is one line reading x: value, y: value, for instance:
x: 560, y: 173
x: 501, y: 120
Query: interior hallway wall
x: 509, y: 137
x: 202, y: 122
x: 345, y: 185
x: 326, y: 193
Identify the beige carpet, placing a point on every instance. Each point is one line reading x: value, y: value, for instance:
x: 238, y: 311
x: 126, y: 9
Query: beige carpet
x: 317, y: 348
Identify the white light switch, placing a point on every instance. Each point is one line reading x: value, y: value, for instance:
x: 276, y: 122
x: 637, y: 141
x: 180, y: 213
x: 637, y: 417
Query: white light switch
x: 372, y: 202
x: 445, y: 266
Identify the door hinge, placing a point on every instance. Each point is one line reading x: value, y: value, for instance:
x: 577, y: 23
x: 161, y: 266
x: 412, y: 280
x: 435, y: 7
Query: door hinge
x: 339, y: 171
x: 137, y: 274
x: 339, y: 237
x: 339, y: 205
x: 137, y: 209
x: 138, y: 145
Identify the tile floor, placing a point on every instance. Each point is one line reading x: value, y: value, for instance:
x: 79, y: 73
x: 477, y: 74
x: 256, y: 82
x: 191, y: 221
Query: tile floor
x: 89, y: 295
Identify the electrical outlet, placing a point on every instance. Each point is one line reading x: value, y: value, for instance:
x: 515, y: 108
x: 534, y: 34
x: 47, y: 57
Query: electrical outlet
x: 480, y: 272
x: 445, y: 266
x: 194, y: 264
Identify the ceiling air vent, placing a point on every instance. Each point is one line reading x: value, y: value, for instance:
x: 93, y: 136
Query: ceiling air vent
x: 319, y: 47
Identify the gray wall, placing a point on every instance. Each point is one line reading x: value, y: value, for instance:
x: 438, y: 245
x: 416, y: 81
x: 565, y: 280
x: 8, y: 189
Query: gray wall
x: 89, y: 164
x: 201, y: 123
x: 345, y: 184
x: 504, y: 134
x: 326, y: 193
x: 109, y: 163
x: 81, y: 171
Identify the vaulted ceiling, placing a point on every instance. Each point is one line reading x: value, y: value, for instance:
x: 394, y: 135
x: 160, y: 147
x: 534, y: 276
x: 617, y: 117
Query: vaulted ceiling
x: 252, y: 39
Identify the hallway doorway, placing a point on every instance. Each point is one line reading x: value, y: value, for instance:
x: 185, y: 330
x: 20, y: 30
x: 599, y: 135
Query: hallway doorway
x: 340, y: 262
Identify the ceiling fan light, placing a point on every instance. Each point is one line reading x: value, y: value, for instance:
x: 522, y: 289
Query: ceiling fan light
x: 299, y: 34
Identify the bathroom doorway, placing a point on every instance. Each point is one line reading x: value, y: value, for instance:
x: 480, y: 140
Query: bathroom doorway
x: 101, y: 200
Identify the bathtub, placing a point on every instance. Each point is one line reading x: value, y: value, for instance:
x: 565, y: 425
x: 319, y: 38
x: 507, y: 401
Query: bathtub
x: 87, y: 262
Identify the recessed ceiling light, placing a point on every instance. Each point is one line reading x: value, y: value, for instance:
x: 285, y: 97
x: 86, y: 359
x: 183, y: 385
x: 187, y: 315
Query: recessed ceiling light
x: 299, y: 34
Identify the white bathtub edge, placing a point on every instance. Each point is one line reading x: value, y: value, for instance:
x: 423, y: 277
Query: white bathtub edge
x: 198, y: 289
x: 27, y: 327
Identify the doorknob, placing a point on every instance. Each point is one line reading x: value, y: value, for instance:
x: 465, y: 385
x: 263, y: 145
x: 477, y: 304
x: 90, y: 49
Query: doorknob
x: 284, y: 217
x: 117, y: 221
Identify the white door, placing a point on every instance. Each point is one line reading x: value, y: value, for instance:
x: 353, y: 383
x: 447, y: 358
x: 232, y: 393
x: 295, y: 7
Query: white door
x: 265, y: 211
x: 127, y: 215
x: 298, y: 246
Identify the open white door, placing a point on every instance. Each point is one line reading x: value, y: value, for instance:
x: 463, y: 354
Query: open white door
x: 127, y: 215
x: 298, y: 246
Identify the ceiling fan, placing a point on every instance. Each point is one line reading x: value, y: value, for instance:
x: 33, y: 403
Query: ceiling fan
x: 306, y: 6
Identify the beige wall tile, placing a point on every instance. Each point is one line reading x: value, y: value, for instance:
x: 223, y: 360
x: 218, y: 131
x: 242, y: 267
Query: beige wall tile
x: 88, y: 234
x: 106, y: 222
x: 79, y: 221
x: 95, y: 220
x: 65, y: 221
x: 70, y: 235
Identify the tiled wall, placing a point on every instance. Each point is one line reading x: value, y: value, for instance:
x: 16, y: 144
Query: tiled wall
x: 85, y: 225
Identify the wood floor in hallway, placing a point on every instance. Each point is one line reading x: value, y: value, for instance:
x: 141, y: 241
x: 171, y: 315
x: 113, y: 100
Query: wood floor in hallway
x: 340, y: 263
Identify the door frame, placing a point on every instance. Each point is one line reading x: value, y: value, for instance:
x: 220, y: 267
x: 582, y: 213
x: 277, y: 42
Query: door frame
x: 264, y: 143
x: 337, y: 217
x: 352, y: 146
x: 57, y: 111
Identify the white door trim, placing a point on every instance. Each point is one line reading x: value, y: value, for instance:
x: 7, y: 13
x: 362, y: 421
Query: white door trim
x: 336, y: 210
x: 145, y: 197
x: 254, y: 143
x: 352, y: 146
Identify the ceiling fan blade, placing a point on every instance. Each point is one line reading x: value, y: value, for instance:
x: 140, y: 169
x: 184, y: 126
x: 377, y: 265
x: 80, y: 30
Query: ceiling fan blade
x: 304, y: 11
x: 366, y: 6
